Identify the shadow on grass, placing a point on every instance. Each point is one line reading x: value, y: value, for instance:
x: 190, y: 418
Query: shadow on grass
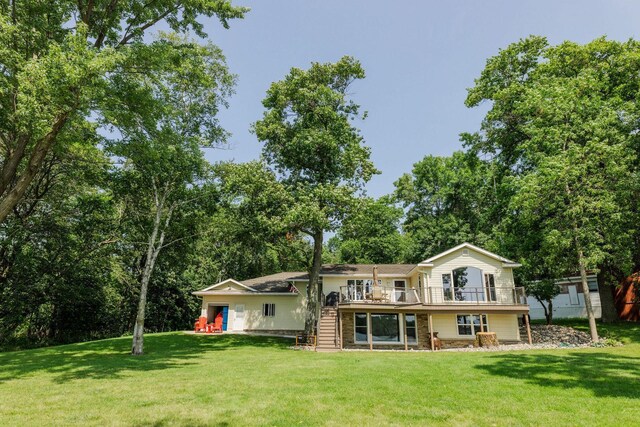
x: 605, y: 374
x: 111, y: 358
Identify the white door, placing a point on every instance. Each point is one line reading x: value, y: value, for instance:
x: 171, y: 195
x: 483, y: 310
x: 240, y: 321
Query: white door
x: 238, y: 320
x: 573, y: 295
x: 400, y: 290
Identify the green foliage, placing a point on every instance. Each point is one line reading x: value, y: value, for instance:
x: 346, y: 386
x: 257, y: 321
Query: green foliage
x: 310, y: 142
x: 544, y: 290
x: 563, y: 122
x: 57, y: 59
x: 246, y: 236
x: 370, y: 234
x: 448, y: 201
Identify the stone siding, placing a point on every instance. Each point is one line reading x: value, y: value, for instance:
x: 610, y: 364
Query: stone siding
x: 348, y: 334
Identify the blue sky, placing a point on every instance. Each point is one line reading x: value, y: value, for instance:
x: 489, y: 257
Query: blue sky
x: 419, y: 56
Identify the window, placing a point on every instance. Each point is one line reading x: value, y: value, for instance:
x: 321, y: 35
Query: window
x: 490, y: 285
x: 400, y: 290
x: 356, y: 289
x: 470, y: 324
x: 385, y: 327
x: 446, y: 287
x: 593, y: 284
x: 467, y: 284
x: 268, y: 310
x: 361, y: 327
x: 410, y: 328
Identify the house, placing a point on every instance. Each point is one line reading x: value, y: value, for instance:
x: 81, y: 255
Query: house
x: 455, y: 294
x: 569, y: 303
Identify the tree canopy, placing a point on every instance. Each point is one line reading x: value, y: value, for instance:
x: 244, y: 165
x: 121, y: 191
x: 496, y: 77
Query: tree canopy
x: 319, y: 156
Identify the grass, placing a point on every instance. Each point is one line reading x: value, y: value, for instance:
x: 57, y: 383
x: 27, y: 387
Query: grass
x: 240, y: 380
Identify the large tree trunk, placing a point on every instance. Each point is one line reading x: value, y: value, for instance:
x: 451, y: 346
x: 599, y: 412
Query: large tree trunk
x: 11, y: 197
x: 609, y: 310
x: 313, y: 308
x: 587, y: 297
x: 137, y: 348
x: 153, y: 249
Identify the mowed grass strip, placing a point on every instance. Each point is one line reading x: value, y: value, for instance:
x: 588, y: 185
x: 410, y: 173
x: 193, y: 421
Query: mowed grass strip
x: 240, y: 380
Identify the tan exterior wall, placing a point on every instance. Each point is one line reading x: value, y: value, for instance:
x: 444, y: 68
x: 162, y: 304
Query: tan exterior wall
x: 503, y: 275
x: 289, y: 311
x: 504, y: 325
x: 333, y: 284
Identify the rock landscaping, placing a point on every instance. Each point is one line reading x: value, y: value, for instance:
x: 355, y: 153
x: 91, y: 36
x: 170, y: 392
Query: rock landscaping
x: 543, y: 337
x: 555, y: 334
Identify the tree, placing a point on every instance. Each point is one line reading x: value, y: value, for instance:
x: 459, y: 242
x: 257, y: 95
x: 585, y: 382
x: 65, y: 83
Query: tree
x: 165, y: 116
x: 55, y: 59
x: 446, y: 201
x: 57, y: 255
x: 563, y: 121
x: 246, y: 236
x: 370, y: 234
x: 319, y: 156
x: 544, y: 291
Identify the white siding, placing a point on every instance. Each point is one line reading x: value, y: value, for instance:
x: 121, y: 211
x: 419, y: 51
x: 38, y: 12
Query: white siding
x: 562, y: 307
x: 503, y: 275
x: 504, y: 325
x: 290, y: 311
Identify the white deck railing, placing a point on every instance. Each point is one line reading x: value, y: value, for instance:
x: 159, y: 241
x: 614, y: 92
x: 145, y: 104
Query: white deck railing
x: 494, y: 295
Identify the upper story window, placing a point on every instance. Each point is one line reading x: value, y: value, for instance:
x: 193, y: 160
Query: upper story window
x: 468, y: 284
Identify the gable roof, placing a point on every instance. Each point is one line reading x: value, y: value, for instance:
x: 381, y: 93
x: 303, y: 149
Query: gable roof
x: 228, y: 281
x: 505, y: 262
x: 278, y: 283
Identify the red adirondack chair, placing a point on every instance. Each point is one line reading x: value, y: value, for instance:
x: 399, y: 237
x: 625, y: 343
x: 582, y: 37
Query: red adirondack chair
x: 200, y: 325
x: 216, y: 326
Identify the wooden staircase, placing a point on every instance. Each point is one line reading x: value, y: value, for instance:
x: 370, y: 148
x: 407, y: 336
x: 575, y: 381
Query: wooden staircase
x: 327, y: 337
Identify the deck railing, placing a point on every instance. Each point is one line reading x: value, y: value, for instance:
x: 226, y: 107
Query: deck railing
x: 365, y: 293
x: 492, y: 295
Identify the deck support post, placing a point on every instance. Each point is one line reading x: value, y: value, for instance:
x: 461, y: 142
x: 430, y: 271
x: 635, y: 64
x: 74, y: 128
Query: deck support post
x: 526, y: 322
x: 431, y: 331
x: 369, y: 334
x: 406, y: 345
x: 340, y: 322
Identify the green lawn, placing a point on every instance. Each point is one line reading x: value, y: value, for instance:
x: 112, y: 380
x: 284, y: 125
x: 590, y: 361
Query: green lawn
x: 239, y: 380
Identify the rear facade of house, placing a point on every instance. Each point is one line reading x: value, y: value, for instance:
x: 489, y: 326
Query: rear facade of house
x: 455, y: 294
